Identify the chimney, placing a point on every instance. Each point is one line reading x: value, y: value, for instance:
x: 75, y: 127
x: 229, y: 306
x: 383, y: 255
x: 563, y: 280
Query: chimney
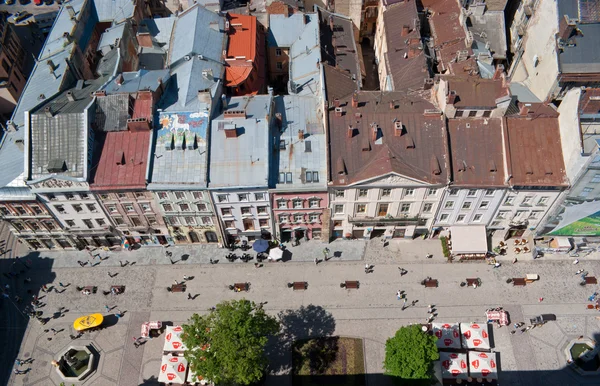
x: 278, y: 120
x: 405, y: 30
x: 235, y: 114
x: 392, y: 105
x: 138, y: 124
x: 524, y: 109
x: 11, y: 126
x: 203, y: 96
x: 71, y: 11
x: 340, y: 166
x: 354, y: 100
x: 224, y: 101
x: 499, y: 71
x: 305, y: 19
x: 336, y: 102
x: 350, y: 132
x: 51, y: 65
x: 100, y: 93
x: 451, y: 98
x: 339, y: 112
x: 144, y: 39
x: 374, y: 131
x: 48, y: 112
x: 230, y: 130
x: 119, y: 79
x: 397, y: 129
x: 70, y: 96
x: 67, y: 37
x: 566, y: 27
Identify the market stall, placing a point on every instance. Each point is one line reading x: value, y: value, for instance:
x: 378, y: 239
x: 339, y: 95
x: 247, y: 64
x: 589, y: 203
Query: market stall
x: 146, y: 327
x: 483, y: 366
x: 497, y: 315
x: 173, y: 369
x: 173, y: 342
x: 454, y: 366
x: 469, y: 241
x: 475, y: 336
x: 448, y: 335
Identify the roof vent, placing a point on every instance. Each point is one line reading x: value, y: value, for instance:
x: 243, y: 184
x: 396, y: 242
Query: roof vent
x: 339, y: 111
x: 48, y: 111
x: 366, y: 146
x: 57, y: 165
x: 187, y: 58
x: 492, y: 166
x: 235, y: 114
x: 398, y: 128
x: 340, y: 166
x: 70, y: 96
x: 121, y: 158
x: 119, y: 79
x: 201, y: 57
x: 410, y: 143
x: 41, y: 97
x: 462, y: 166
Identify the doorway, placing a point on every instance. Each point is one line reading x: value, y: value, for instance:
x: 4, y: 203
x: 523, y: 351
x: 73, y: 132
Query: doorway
x: 377, y: 233
x: 211, y: 237
x: 194, y: 237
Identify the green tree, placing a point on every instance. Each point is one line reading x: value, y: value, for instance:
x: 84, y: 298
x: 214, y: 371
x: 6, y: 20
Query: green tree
x: 409, y: 355
x: 227, y: 345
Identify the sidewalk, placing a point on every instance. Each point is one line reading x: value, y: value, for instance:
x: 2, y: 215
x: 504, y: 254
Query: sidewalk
x: 201, y: 254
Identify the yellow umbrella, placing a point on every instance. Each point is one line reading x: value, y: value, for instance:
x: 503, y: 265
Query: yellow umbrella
x: 89, y: 321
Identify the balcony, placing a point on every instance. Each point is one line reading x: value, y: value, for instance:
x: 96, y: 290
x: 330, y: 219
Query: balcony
x: 401, y: 220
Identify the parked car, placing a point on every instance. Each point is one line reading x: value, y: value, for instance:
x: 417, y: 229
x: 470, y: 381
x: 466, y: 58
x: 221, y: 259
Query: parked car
x: 542, y: 319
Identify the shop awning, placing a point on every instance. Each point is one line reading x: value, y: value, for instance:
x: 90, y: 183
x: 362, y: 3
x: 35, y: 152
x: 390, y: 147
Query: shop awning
x: 469, y: 239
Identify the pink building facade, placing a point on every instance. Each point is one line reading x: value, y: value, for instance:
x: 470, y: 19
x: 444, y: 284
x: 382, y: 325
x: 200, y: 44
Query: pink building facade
x: 301, y: 215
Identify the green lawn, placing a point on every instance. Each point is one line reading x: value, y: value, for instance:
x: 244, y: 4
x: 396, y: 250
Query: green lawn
x: 328, y: 361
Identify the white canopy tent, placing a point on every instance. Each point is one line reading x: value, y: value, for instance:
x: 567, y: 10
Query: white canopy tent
x: 475, y: 336
x: 173, y: 339
x: 454, y: 365
x: 469, y: 239
x: 448, y: 335
x: 172, y: 369
x: 483, y: 365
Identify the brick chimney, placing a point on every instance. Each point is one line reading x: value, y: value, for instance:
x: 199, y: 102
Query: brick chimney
x: 451, y: 98
x: 566, y: 27
x: 235, y: 114
x: 339, y: 112
x: 397, y: 129
x: 405, y: 30
x: 350, y: 131
x: 499, y: 71
x: 524, y: 109
x: 119, y: 80
x: 392, y: 105
x: 336, y: 102
x: 138, y: 124
x: 355, y: 100
x: 144, y: 39
x: 374, y: 130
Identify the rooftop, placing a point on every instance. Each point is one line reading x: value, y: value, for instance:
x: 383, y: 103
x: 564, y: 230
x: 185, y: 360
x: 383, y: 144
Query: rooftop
x: 475, y: 92
x: 123, y: 161
x: 240, y: 150
x: 589, y: 114
x: 284, y: 30
x: 389, y: 132
x: 405, y: 59
x: 112, y: 112
x: 241, y: 49
x: 305, y: 143
x: 141, y: 80
x: 477, y: 152
x: 338, y: 83
x: 338, y: 47
x: 489, y: 28
x: 305, y: 59
x: 581, y: 51
x: 534, y: 152
x: 114, y: 10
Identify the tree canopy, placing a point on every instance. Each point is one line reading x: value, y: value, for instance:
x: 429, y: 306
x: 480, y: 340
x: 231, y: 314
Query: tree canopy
x: 227, y: 345
x: 409, y: 355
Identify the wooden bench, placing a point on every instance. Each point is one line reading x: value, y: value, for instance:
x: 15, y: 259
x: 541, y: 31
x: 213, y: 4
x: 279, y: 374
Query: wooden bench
x: 519, y: 281
x: 432, y: 283
x: 352, y: 284
x: 117, y: 289
x: 472, y: 281
x: 239, y: 287
x: 591, y: 280
x: 299, y: 285
x: 178, y: 288
x: 91, y: 289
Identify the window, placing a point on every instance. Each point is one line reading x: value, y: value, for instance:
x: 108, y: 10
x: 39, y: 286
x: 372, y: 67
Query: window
x: 128, y: 208
x: 282, y: 144
x: 70, y: 223
x: 520, y: 214
x: 167, y: 207
x: 339, y: 194
x: 337, y: 223
x: 386, y: 192
x: 50, y: 225
x: 489, y: 192
x: 50, y: 197
x: 444, y: 217
x: 230, y: 224
x: 427, y: 207
x: 4, y: 210
x: 585, y: 192
x: 361, y: 208
x: 477, y: 217
x: 88, y: 223
x: 91, y: 208
x: 308, y: 176
x: 466, y: 205
x: 100, y: 222
x: 472, y: 113
x: 307, y: 147
x: 338, y: 209
x: 362, y: 193
x: 180, y: 195
x: 246, y: 210
x: 454, y: 192
x: 313, y: 203
x: 315, y: 176
x: 243, y: 197
x: 298, y: 204
x: 122, y: 195
x: 226, y: 211
x: 184, y: 207
x: 487, y: 113
x: 151, y: 220
x: 281, y: 178
x: 173, y: 220
x: 409, y: 192
x: 449, y: 205
x: 460, y: 218
x: 288, y: 178
x: 207, y: 220
x: 277, y: 51
x: 595, y: 179
x: 111, y: 209
x: 22, y: 211
x: 59, y: 208
x: 509, y: 200
x: 405, y: 208
x: 140, y: 195
x: 261, y: 209
x: 222, y: 198
x: 198, y: 195
x: 298, y: 218
x: 313, y: 217
x: 459, y: 114
x: 534, y: 214
x: 502, y: 214
x: 189, y: 220
x: 484, y: 204
x: 84, y: 196
x: 201, y: 207
x: 472, y: 192
x: 282, y: 204
x: 76, y: 208
x: 431, y: 192
x: 543, y: 201
x: 383, y: 210
x: 263, y: 222
x: 279, y: 65
x: 69, y: 196
x: 284, y: 218
x: 163, y: 196
x: 259, y: 196
x: 145, y: 207
x: 136, y: 221
x: 527, y: 200
x: 105, y: 196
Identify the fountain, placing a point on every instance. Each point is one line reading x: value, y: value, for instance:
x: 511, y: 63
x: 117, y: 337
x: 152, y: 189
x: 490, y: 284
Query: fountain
x: 583, y: 356
x: 76, y: 363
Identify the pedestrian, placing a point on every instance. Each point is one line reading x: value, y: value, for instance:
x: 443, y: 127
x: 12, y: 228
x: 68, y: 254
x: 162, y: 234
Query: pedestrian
x: 189, y: 296
x: 27, y: 280
x: 367, y: 268
x: 496, y: 265
x: 399, y: 294
x: 109, y: 274
x: 135, y: 339
x: 326, y: 253
x: 316, y: 261
x: 576, y: 261
x: 429, y: 309
x: 54, y: 331
x: 18, y: 362
x: 7, y: 286
x: 176, y: 282
x: 185, y: 277
x: 56, y: 290
x: 61, y: 284
x: 514, y: 260
x: 19, y: 372
x: 540, y: 300
x: 107, y: 308
x: 17, y: 299
x: 404, y: 304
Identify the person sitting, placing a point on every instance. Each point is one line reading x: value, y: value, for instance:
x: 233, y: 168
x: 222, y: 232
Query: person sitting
x: 86, y: 292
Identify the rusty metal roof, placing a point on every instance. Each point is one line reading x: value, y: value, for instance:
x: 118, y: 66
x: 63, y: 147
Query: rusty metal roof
x: 476, y: 92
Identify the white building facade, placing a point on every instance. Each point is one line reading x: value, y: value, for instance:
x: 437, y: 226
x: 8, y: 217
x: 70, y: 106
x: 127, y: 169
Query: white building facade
x: 468, y: 206
x: 244, y: 214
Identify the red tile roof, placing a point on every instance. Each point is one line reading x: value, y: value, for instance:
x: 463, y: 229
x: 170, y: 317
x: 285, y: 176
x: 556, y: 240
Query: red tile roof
x: 589, y: 102
x: 476, y: 92
x: 143, y: 106
x: 123, y: 161
x: 243, y: 37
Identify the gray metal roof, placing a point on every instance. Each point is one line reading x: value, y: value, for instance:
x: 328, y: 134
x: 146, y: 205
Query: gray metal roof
x: 283, y: 30
x: 198, y: 31
x: 140, y: 80
x: 56, y: 41
x: 522, y: 93
x: 305, y: 56
x: 300, y: 114
x: 242, y: 161
x: 160, y: 29
x: 180, y: 152
x: 582, y: 54
x: 11, y: 158
x: 114, y: 10
x: 490, y: 28
x: 112, y: 112
x: 108, y: 37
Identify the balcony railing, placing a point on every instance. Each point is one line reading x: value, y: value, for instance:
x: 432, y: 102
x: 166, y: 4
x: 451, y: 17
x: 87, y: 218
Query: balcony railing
x: 389, y: 220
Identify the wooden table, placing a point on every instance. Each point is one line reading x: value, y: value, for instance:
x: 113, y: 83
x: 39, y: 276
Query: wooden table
x: 352, y: 284
x: 591, y: 280
x: 178, y: 288
x: 238, y: 287
x: 299, y: 285
x: 432, y: 283
x: 518, y: 281
x: 472, y: 281
x: 92, y: 289
x: 117, y: 289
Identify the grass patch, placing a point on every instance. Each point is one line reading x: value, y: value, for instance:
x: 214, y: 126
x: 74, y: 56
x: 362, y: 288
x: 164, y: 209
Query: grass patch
x: 445, y: 248
x: 328, y: 361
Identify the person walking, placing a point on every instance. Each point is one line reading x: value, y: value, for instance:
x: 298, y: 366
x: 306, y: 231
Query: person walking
x: 326, y: 253
x: 399, y: 294
x: 429, y: 309
x: 190, y: 296
x: 404, y: 305
x: 18, y: 362
x: 316, y: 261
x: 367, y: 268
x: 107, y: 308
